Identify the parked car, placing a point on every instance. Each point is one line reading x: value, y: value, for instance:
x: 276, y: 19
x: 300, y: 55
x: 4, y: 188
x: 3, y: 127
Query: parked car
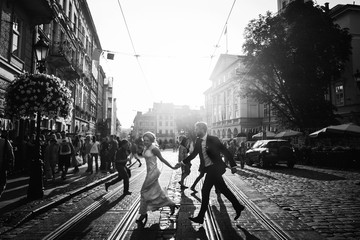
x: 270, y: 152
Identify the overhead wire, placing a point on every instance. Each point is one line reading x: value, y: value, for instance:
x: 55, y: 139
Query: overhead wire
x: 133, y: 47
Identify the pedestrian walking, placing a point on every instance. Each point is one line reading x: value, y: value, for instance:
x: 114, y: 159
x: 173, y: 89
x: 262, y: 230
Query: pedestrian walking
x: 121, y: 158
x: 232, y: 149
x: 134, y: 153
x: 76, y: 155
x: 94, y: 153
x: 104, y: 150
x: 87, y: 148
x: 209, y: 148
x: 240, y: 154
x: 6, y: 161
x: 152, y: 196
x: 66, y: 150
x: 51, y: 157
x: 183, y: 153
x: 113, y: 145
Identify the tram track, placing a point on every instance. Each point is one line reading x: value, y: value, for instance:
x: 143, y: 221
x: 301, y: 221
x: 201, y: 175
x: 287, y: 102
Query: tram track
x: 121, y: 230
x: 269, y: 224
x: 78, y: 218
x: 126, y: 212
x: 125, y: 223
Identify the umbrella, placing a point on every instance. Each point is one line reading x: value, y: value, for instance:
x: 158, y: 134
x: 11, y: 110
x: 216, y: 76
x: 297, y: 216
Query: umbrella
x: 260, y: 135
x: 343, y: 129
x: 241, y: 134
x: 288, y: 133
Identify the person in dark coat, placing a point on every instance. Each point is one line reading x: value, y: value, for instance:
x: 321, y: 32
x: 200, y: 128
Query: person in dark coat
x: 6, y: 161
x: 121, y: 158
x: 209, y: 149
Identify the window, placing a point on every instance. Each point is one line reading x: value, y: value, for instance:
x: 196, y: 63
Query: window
x: 16, y: 30
x: 266, y: 110
x: 69, y: 11
x: 160, y: 123
x: 339, y: 95
x: 253, y: 110
x: 75, y: 24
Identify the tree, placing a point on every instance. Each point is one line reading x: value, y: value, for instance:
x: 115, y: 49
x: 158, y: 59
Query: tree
x: 292, y: 59
x: 185, y: 122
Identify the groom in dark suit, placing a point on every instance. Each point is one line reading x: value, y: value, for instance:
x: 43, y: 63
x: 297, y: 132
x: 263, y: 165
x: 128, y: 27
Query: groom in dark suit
x: 209, y: 149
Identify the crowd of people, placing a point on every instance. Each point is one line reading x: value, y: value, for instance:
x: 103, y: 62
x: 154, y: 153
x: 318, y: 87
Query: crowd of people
x: 60, y: 151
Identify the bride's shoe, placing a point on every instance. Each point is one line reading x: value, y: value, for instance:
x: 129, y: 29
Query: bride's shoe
x: 172, y: 209
x: 142, y: 219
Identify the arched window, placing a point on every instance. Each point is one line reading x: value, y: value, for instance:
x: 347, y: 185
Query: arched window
x: 229, y: 133
x: 235, y: 132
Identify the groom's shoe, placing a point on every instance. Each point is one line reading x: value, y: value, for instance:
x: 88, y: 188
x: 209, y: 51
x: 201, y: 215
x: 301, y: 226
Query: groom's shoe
x: 197, y: 219
x: 238, y: 211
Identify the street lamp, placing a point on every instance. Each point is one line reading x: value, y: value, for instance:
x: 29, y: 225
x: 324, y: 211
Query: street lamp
x: 36, y: 187
x: 41, y: 49
x: 357, y: 78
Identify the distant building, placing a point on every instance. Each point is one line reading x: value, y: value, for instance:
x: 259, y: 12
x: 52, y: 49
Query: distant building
x: 110, y: 105
x: 161, y: 120
x: 144, y: 123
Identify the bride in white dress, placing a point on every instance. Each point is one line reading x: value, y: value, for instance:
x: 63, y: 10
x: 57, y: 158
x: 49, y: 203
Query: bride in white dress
x: 153, y: 196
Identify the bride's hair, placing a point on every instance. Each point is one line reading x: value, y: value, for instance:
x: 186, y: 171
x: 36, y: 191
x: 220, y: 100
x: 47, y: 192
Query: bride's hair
x: 151, y: 136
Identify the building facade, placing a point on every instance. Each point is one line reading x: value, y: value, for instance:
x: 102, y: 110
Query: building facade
x: 345, y: 91
x: 228, y: 114
x: 162, y: 120
x: 110, y: 105
x: 19, y: 22
x: 165, y: 122
x: 68, y: 28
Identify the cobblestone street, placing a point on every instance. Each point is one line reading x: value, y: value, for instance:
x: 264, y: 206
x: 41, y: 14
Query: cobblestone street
x: 307, y: 202
x: 324, y: 199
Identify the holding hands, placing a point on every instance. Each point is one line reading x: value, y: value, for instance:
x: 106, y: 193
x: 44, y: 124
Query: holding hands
x: 179, y: 164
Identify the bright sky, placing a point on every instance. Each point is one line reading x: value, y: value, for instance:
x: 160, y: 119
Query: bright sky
x: 174, y: 40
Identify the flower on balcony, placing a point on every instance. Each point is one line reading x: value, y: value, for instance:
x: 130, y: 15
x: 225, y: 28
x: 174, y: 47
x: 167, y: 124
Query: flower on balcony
x: 29, y: 93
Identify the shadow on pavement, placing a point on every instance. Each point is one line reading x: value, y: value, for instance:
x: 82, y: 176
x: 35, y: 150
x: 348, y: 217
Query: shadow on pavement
x: 225, y: 221
x: 248, y: 236
x: 297, y: 172
x: 85, y: 227
x: 306, y: 173
x: 145, y: 232
x: 248, y: 173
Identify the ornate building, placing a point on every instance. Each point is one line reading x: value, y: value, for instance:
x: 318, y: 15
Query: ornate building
x: 227, y: 114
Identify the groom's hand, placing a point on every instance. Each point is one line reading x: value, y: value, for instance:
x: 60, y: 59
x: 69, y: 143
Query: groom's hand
x: 233, y: 170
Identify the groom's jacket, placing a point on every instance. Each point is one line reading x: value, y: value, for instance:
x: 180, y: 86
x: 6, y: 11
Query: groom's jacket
x: 213, y: 149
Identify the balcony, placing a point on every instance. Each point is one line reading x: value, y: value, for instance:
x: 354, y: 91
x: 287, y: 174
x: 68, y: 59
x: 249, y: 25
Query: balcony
x: 39, y: 10
x: 59, y: 55
x: 70, y: 73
